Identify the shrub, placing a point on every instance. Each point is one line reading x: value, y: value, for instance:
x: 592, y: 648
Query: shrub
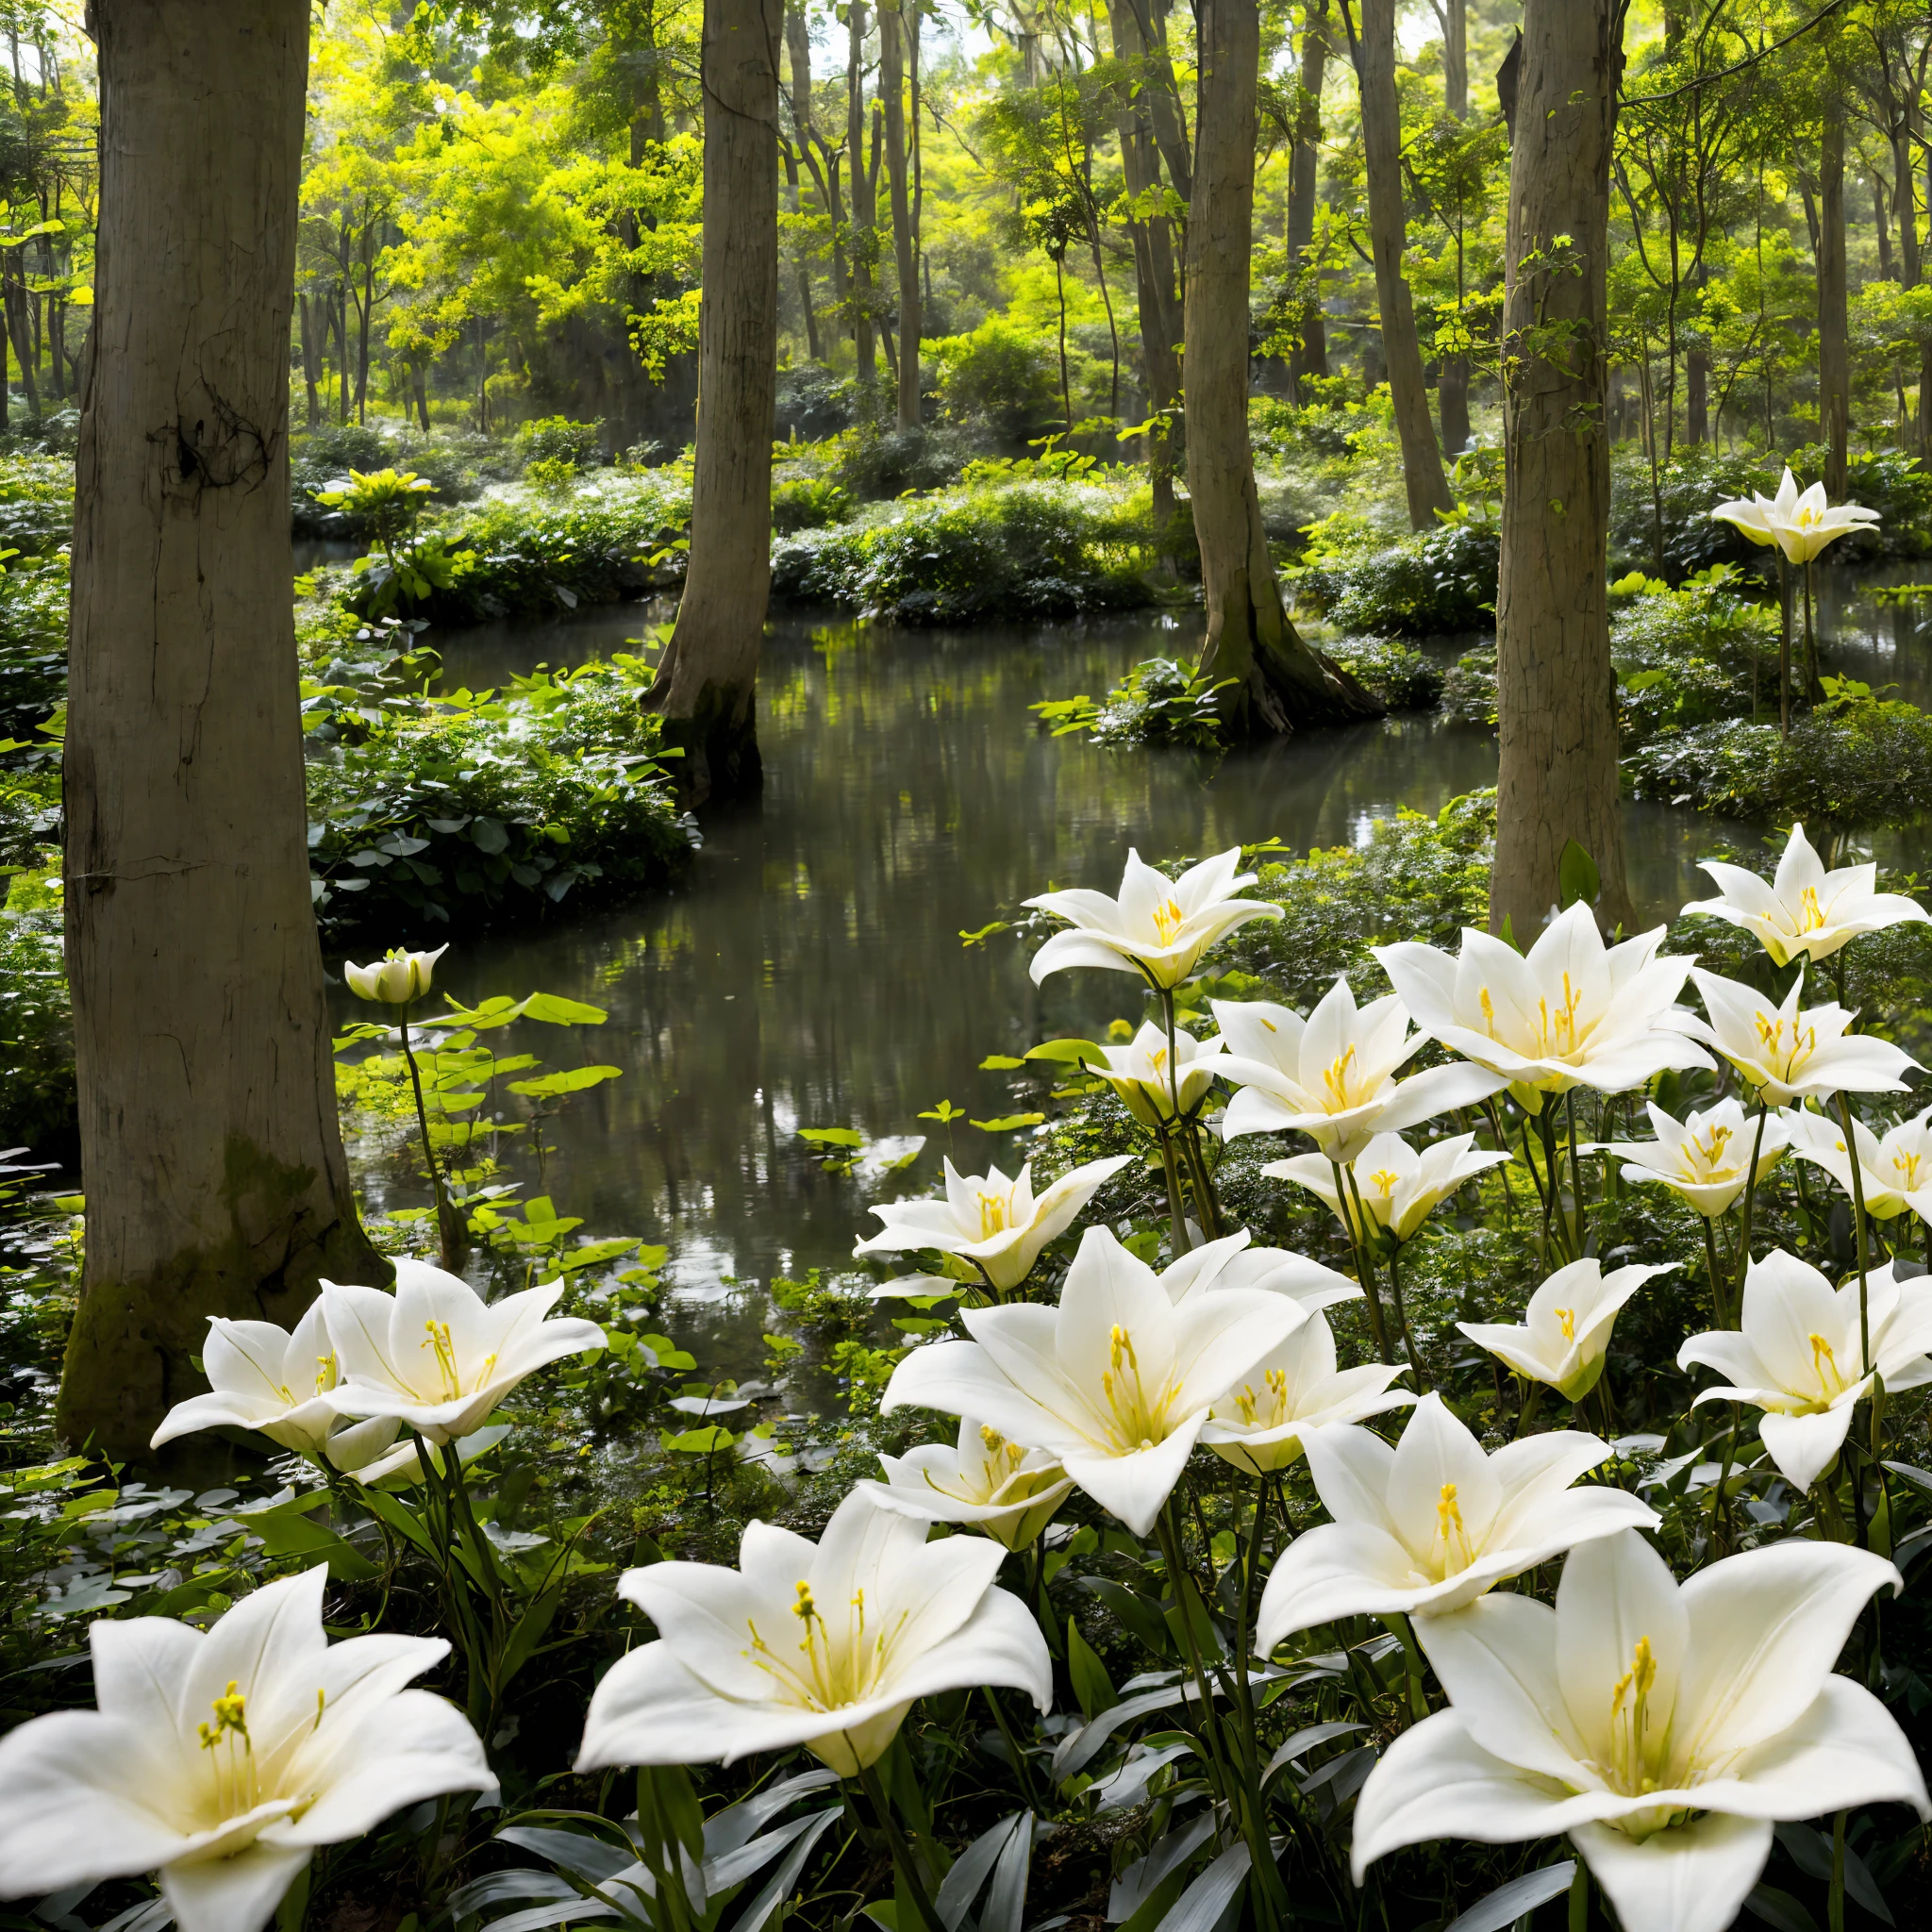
x: 33, y: 645
x: 1163, y: 701
x: 36, y: 1092
x: 808, y: 503
x: 1000, y: 375
x: 1397, y: 676
x: 1025, y: 550
x: 36, y: 503
x: 558, y: 439
x: 1469, y: 688
x: 500, y: 808
x: 1866, y: 764
x: 1687, y: 657
x: 1428, y: 585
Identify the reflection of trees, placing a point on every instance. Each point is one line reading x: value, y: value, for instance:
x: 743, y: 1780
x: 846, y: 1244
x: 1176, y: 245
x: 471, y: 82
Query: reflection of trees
x: 812, y: 974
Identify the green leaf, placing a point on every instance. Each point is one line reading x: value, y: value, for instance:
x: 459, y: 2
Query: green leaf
x: 1578, y: 876
x: 832, y: 1137
x: 1067, y: 1052
x: 1091, y: 1685
x: 985, y: 932
x: 1141, y: 1617
x: 549, y: 1085
x: 999, y: 1064
x: 945, y: 1112
x: 562, y: 1012
x: 1007, y: 1123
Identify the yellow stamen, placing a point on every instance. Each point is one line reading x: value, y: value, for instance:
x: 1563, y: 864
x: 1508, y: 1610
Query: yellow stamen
x: 1568, y: 1318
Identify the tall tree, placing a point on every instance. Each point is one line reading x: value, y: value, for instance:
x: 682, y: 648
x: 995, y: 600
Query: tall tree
x: 898, y: 40
x: 1555, y: 707
x: 1452, y: 16
x: 1310, y: 356
x: 707, y: 685
x: 865, y: 241
x: 1279, y: 683
x: 1834, y: 328
x: 216, y: 1183
x: 1422, y: 462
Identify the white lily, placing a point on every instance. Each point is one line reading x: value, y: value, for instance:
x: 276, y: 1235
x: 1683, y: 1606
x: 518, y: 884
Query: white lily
x: 1664, y: 1729
x: 1157, y: 927
x: 1571, y: 1012
x: 221, y: 1759
x: 281, y: 1385
x: 996, y: 1223
x: 1332, y: 1076
x: 1259, y: 1425
x: 1566, y: 1329
x: 1116, y: 1381
x: 1798, y: 1355
x: 1706, y: 1159
x: 1805, y: 910
x: 1800, y: 524
x: 1150, y: 1084
x: 435, y: 1354
x: 824, y: 1644
x: 1894, y: 1168
x: 998, y: 1486
x: 1432, y: 1524
x: 396, y: 980
x: 1389, y: 1185
x: 1232, y: 1261
x: 1788, y: 1053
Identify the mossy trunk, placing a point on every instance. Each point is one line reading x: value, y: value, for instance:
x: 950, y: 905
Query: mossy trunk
x: 1555, y: 704
x: 210, y: 1153
x: 1279, y: 684
x: 707, y: 685
x: 1422, y: 462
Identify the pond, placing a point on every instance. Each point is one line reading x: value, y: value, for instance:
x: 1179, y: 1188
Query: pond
x: 811, y: 973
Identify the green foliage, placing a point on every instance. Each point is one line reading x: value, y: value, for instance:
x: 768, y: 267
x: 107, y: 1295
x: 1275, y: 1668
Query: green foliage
x: 1000, y: 376
x: 1869, y: 763
x: 36, y: 1092
x: 1396, y: 675
x: 1163, y: 701
x: 1685, y: 658
x: 557, y: 440
x: 1025, y: 550
x: 1433, y: 583
x: 496, y: 805
x: 808, y: 503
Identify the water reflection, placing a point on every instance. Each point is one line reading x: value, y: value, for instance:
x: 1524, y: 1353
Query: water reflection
x: 811, y: 973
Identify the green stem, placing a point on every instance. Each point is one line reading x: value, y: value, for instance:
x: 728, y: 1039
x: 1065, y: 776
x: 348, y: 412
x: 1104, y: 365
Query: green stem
x: 1750, y: 1203
x: 1415, y: 1360
x: 1168, y: 1534
x: 1720, y: 1503
x: 1013, y: 1750
x: 1532, y: 1394
x: 1718, y: 1311
x: 1857, y: 1167
x: 1575, y: 1171
x: 1418, y: 1693
x: 903, y: 1855
x: 1354, y: 1228
x: 1178, y: 1240
x: 1836, y: 1907
x: 449, y: 1229
x: 1204, y: 1188
x: 1580, y: 1899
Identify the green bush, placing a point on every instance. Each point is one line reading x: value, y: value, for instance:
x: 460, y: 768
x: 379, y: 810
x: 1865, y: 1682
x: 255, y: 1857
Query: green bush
x: 1865, y: 764
x: 36, y: 503
x: 37, y: 1093
x: 1000, y: 375
x: 1428, y: 585
x: 1025, y: 550
x: 33, y: 645
x: 1398, y: 676
x: 808, y: 503
x: 1689, y: 656
x: 1469, y: 688
x: 558, y: 439
x: 457, y: 814
x: 1163, y: 701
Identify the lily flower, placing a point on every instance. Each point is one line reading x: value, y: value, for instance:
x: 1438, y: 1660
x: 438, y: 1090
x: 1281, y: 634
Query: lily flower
x: 1798, y: 1356
x: 1894, y: 1168
x: 219, y: 1761
x: 1566, y: 1332
x: 1010, y: 1492
x: 1116, y: 1381
x: 1332, y: 1076
x: 996, y: 1223
x: 1788, y: 1053
x: 1664, y: 1728
x: 1804, y: 911
x: 1232, y: 1263
x: 1157, y: 927
x: 1142, y: 1074
x: 1571, y: 1012
x: 435, y: 1354
x: 1259, y: 1425
x: 825, y: 1644
x: 1393, y: 1186
x: 1706, y: 1159
x: 397, y: 979
x: 282, y: 1386
x: 1801, y: 525
x: 1432, y: 1524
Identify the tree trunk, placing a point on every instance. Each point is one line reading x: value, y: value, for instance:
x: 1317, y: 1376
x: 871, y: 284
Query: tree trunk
x: 19, y: 328
x: 1153, y: 274
x: 798, y: 43
x: 1452, y: 397
x: 216, y: 1183
x: 894, y: 33
x: 864, y: 200
x: 309, y: 361
x: 1279, y: 683
x: 1697, y: 396
x: 419, y: 387
x: 1555, y: 707
x: 707, y: 685
x: 1455, y: 18
x: 1164, y: 96
x: 1422, y: 463
x: 1311, y: 356
x: 1834, y: 356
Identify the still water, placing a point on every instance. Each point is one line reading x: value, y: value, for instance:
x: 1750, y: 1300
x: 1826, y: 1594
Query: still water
x: 810, y: 973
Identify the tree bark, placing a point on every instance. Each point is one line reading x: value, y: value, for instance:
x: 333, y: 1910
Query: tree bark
x: 707, y: 685
x: 1833, y: 330
x: 216, y: 1182
x: 894, y: 35
x: 1311, y: 356
x: 798, y: 43
x: 1422, y: 462
x: 1453, y: 15
x: 1555, y: 707
x: 308, y: 363
x: 865, y: 201
x: 1158, y: 297
x: 1279, y: 683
